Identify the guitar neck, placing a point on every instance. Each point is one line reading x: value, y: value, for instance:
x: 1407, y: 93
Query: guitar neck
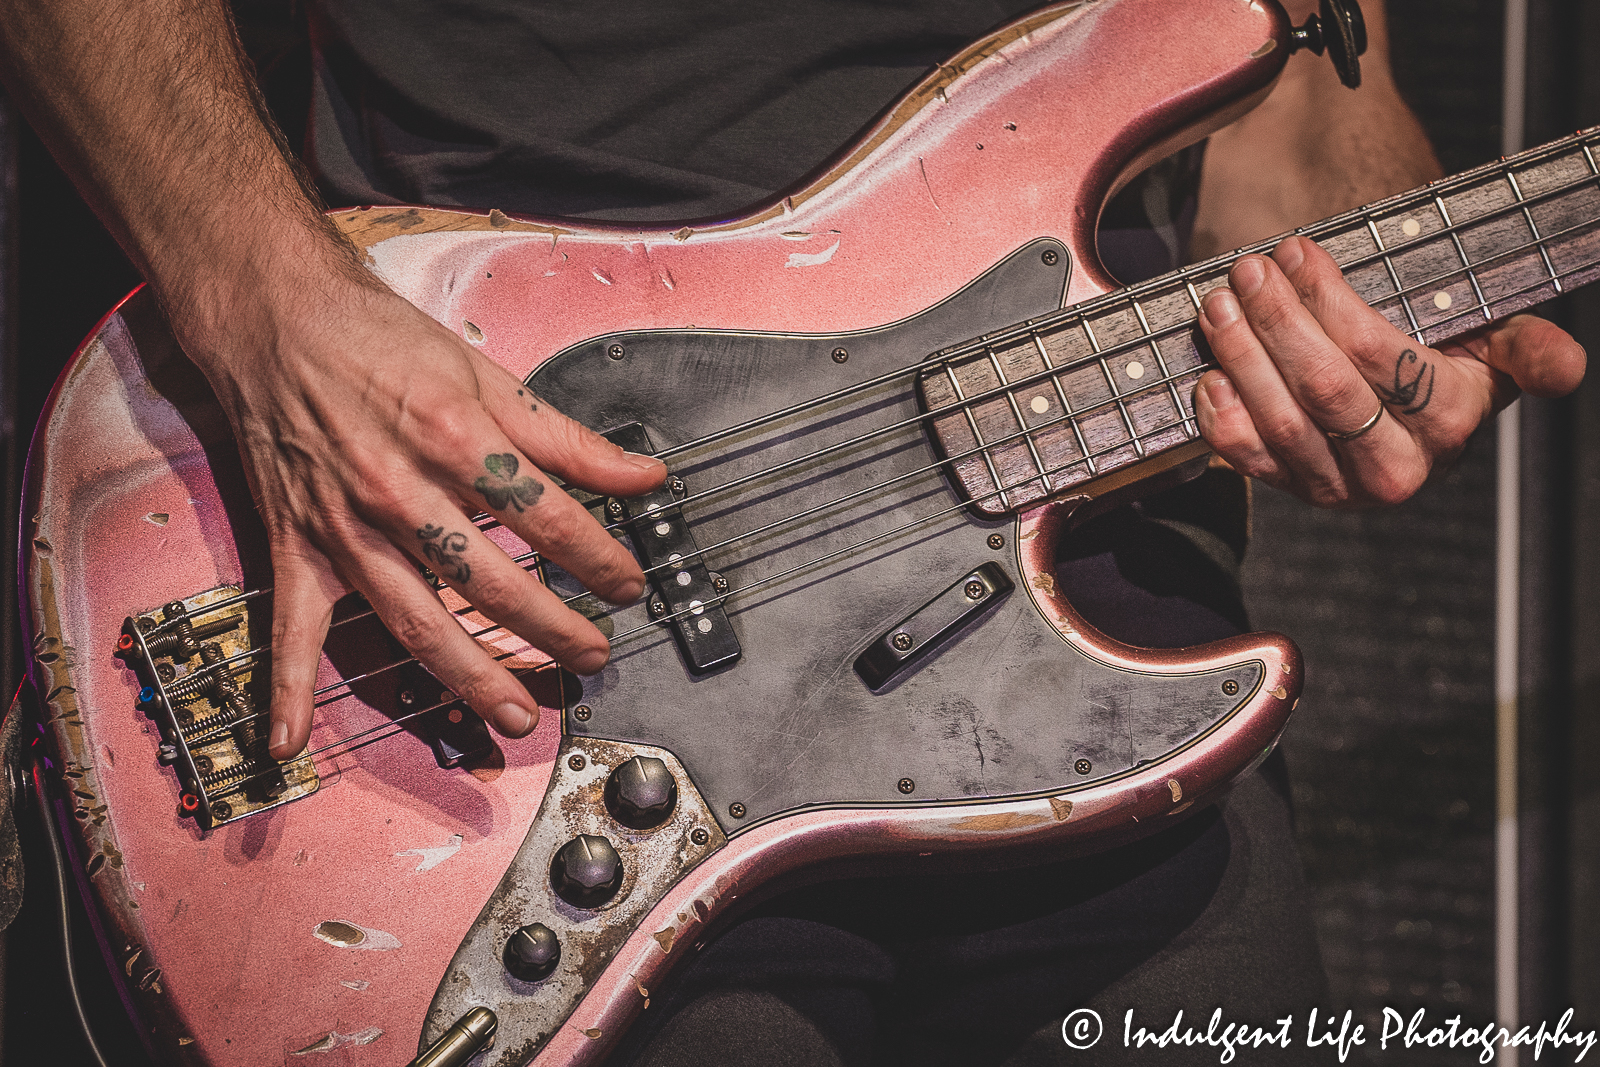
x: 1053, y: 403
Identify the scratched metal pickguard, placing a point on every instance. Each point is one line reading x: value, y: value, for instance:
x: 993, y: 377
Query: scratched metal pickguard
x: 1005, y: 708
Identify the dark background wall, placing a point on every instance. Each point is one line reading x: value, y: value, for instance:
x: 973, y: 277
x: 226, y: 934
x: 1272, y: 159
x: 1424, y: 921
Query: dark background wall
x: 1393, y: 748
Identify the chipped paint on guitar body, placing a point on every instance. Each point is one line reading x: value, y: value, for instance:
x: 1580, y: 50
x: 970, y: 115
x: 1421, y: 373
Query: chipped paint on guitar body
x: 135, y: 497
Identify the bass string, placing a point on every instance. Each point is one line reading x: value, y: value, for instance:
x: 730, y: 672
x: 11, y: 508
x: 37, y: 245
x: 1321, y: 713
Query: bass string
x: 1148, y: 338
x: 393, y: 727
x: 488, y: 522
x: 261, y: 652
x: 1154, y: 386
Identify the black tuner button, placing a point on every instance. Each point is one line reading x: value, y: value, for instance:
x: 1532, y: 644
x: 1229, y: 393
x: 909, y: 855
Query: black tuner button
x: 1340, y: 29
x: 532, y: 952
x: 640, y: 794
x: 586, y: 872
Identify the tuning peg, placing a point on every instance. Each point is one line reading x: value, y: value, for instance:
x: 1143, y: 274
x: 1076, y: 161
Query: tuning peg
x: 1342, y: 31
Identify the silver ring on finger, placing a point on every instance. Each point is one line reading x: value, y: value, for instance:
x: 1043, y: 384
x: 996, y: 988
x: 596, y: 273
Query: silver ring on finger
x: 1351, y: 435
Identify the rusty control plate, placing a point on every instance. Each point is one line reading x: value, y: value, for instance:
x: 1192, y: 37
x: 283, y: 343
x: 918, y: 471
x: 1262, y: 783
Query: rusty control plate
x: 196, y: 664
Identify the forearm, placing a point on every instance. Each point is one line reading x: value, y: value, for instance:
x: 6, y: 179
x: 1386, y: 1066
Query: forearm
x: 1312, y: 149
x: 149, y: 106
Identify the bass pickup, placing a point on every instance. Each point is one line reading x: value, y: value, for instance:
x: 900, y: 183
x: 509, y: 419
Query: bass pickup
x: 687, y: 595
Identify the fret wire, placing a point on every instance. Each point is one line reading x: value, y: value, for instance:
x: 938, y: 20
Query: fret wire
x: 1193, y: 296
x: 1161, y: 364
x: 1066, y: 405
x: 1394, y: 279
x: 1455, y: 236
x: 977, y: 435
x: 1588, y: 155
x: 1016, y: 413
x: 1533, y: 228
x: 1111, y: 383
x: 1361, y: 215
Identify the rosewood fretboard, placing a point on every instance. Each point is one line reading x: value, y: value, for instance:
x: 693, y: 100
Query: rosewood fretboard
x: 1044, y: 406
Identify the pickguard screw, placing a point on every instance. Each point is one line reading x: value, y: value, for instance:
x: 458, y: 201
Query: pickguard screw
x: 675, y: 484
x: 615, y: 352
x: 1230, y: 687
x: 736, y: 809
x: 902, y: 641
x: 658, y: 607
x: 907, y: 786
x: 614, y: 509
x: 699, y: 836
x: 408, y: 698
x: 997, y: 541
x: 581, y: 713
x: 1049, y: 259
x: 974, y: 590
x: 841, y: 354
x: 1083, y: 766
x: 576, y: 762
x: 719, y: 583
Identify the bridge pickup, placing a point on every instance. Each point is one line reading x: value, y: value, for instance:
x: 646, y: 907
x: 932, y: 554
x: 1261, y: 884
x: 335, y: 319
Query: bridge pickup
x: 908, y: 641
x: 687, y: 596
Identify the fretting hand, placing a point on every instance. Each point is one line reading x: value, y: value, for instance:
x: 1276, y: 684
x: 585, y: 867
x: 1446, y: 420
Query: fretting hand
x: 1320, y: 396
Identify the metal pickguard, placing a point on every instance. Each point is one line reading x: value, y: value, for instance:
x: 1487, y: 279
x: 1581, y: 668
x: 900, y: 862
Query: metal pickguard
x: 1004, y: 708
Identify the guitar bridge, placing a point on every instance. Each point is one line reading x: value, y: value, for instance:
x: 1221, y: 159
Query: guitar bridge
x: 196, y: 666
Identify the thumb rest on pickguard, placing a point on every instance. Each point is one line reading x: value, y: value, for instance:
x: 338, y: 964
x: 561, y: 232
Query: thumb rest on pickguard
x: 196, y: 664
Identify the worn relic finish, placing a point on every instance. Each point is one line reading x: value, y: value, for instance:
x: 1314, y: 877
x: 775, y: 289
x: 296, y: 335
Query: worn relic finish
x: 135, y: 497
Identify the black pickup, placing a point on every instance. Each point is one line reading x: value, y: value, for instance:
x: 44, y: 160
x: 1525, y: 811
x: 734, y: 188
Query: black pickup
x: 686, y: 594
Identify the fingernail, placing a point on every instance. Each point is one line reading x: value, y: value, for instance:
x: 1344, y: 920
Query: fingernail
x: 280, y: 735
x: 1248, y: 275
x: 644, y: 463
x: 592, y: 661
x: 1289, y: 255
x: 511, y: 715
x: 1222, y: 308
x: 1220, y: 391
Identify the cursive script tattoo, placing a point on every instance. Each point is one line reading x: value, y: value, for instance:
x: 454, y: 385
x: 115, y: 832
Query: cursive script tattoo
x: 444, y: 551
x: 502, y: 488
x: 1411, y: 391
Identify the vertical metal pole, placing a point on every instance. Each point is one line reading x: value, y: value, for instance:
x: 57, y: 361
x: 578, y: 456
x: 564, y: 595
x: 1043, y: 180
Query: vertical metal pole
x: 1507, y: 598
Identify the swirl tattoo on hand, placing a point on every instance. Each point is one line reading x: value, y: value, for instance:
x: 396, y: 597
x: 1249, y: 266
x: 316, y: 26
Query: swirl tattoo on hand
x: 444, y: 550
x: 1406, y: 389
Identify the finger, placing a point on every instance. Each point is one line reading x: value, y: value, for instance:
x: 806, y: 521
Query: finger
x: 1282, y: 424
x: 1226, y: 425
x: 518, y: 494
x: 566, y: 448
x: 427, y: 629
x: 1538, y: 355
x: 304, y: 589
x: 1319, y: 372
x: 475, y: 567
x: 1436, y: 398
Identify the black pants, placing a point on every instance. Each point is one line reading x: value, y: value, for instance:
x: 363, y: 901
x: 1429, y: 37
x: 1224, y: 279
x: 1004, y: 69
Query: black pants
x: 981, y: 969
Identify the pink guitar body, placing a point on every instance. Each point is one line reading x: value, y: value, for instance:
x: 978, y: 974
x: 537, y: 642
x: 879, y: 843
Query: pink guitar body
x: 320, y: 931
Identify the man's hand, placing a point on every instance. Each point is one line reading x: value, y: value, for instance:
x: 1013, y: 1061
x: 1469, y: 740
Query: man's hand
x: 1306, y: 364
x: 371, y: 434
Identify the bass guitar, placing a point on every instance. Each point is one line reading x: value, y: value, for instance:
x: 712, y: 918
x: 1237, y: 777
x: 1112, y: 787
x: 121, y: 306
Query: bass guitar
x: 882, y: 397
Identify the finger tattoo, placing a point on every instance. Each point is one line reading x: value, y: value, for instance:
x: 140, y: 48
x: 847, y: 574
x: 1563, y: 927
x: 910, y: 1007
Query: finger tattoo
x: 531, y: 406
x: 502, y: 488
x: 444, y: 550
x: 1413, y: 384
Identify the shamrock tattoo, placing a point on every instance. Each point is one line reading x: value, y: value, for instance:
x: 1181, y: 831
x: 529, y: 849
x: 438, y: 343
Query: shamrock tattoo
x: 502, y: 488
x: 444, y: 551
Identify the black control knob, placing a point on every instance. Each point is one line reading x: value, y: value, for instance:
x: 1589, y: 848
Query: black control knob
x: 586, y: 872
x: 640, y: 793
x: 532, y: 952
